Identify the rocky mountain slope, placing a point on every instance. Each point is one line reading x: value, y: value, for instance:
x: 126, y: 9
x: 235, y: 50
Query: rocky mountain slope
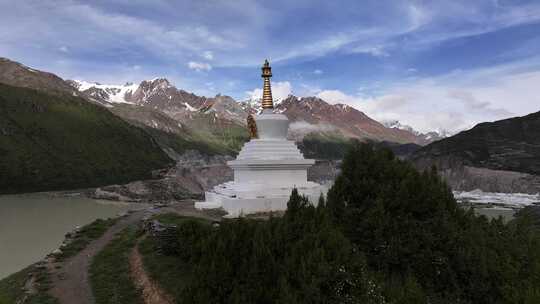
x: 317, y: 114
x: 308, y: 115
x: 501, y: 156
x: 178, y: 120
x: 19, y: 75
x: 159, y: 94
x: 16, y: 74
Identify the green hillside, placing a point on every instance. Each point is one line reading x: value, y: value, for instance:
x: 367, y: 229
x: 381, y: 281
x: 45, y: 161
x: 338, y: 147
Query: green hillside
x: 200, y: 133
x: 511, y: 144
x: 50, y: 142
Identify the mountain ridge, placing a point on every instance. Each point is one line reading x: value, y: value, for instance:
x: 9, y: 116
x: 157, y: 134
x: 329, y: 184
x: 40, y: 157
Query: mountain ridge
x: 500, y: 156
x: 181, y: 105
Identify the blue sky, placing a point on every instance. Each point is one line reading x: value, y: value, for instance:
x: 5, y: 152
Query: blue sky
x: 430, y: 64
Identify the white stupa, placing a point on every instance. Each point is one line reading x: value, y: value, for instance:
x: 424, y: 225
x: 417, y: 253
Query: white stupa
x: 267, y: 168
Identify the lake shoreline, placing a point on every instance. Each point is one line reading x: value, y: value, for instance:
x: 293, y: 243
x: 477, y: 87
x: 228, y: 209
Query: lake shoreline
x: 35, y: 224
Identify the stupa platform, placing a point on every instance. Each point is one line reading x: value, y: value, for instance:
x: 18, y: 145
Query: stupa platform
x: 239, y: 199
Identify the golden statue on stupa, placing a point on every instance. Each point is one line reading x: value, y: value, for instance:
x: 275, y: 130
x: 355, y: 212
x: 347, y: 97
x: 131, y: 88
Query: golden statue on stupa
x: 252, y: 127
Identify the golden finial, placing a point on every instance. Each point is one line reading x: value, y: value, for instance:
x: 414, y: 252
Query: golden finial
x: 267, y: 102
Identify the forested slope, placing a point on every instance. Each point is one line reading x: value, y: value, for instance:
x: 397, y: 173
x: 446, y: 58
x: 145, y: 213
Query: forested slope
x: 50, y: 142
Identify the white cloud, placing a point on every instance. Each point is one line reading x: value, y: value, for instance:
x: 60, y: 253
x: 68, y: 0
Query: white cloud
x: 307, y: 90
x: 299, y: 129
x: 452, y: 102
x: 473, y: 104
x: 91, y: 27
x: 208, y: 55
x: 95, y: 26
x: 375, y: 51
x: 199, y: 66
x: 280, y: 91
x: 336, y: 96
x: 318, y: 72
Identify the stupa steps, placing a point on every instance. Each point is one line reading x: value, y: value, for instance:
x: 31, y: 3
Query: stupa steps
x: 271, y: 154
x: 270, y: 150
x: 255, y: 149
x: 250, y: 191
x: 266, y: 147
x: 271, y: 143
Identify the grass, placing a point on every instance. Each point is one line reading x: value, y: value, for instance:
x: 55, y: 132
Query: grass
x: 174, y: 135
x: 222, y: 136
x: 324, y: 146
x: 87, y: 234
x: 170, y: 272
x: 202, y: 132
x: 11, y: 288
x: 175, y: 219
x: 110, y: 271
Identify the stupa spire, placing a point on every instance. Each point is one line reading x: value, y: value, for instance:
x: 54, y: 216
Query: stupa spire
x: 267, y: 102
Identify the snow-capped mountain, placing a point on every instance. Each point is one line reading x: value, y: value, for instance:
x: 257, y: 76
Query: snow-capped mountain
x: 427, y: 137
x: 110, y: 93
x: 307, y: 114
x: 159, y: 94
x: 254, y: 105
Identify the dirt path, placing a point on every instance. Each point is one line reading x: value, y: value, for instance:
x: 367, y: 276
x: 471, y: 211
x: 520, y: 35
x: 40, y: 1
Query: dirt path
x: 151, y: 292
x: 70, y: 278
x: 70, y: 281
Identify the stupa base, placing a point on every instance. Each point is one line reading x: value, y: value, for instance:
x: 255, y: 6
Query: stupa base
x: 237, y: 200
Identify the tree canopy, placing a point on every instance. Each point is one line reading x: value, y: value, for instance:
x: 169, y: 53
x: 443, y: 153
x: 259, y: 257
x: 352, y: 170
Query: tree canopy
x: 386, y: 234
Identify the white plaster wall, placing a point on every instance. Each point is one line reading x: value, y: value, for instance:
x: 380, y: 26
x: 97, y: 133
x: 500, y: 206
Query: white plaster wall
x: 272, y: 126
x: 271, y: 177
x: 239, y: 207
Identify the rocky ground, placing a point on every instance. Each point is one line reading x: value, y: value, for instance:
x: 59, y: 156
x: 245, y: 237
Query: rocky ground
x: 468, y: 178
x: 193, y: 174
x: 189, y: 178
x: 463, y: 177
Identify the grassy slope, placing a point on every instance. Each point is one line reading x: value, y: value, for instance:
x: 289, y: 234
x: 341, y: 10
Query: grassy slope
x: 324, y: 146
x: 222, y: 135
x: 110, y: 272
x: 87, y: 234
x: 510, y: 144
x: 168, y: 271
x: 172, y: 134
x: 11, y: 288
x: 59, y: 142
x: 333, y: 146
